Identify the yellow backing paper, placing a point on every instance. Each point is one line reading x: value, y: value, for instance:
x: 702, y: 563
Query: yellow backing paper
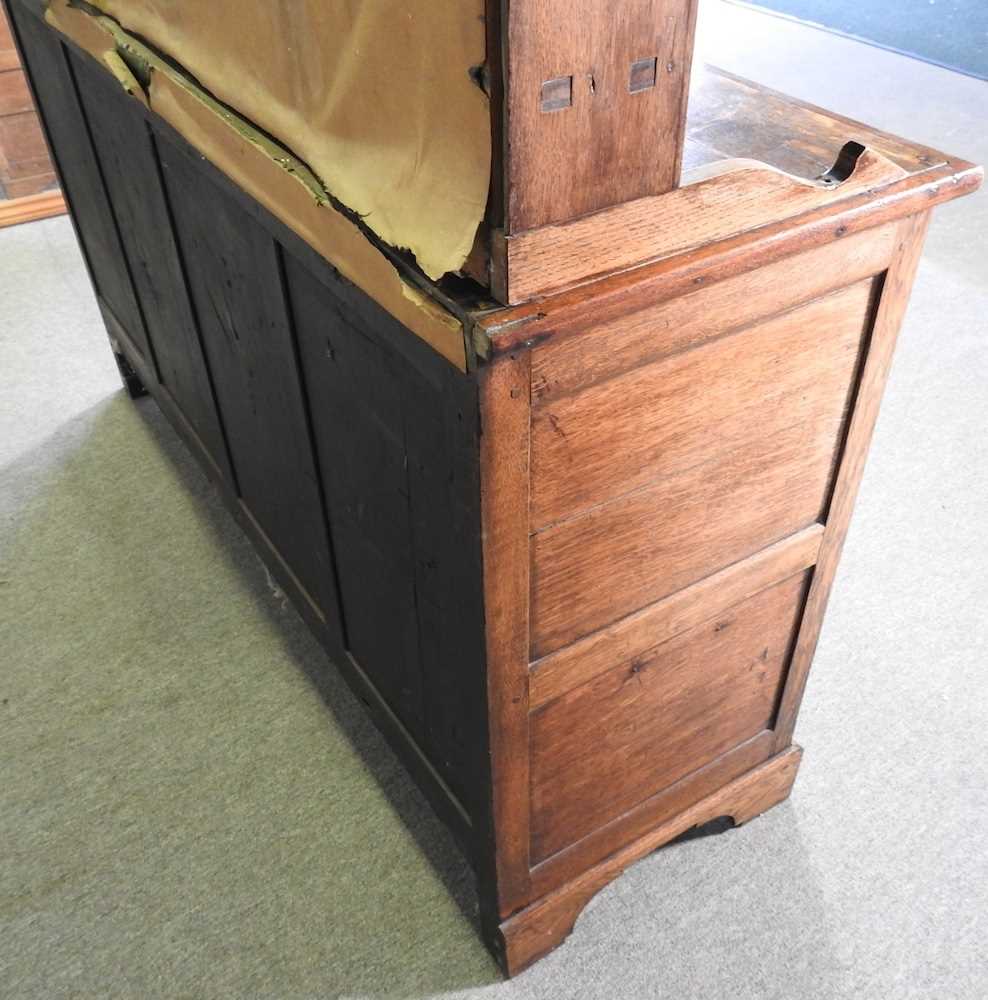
x: 375, y: 96
x: 265, y: 170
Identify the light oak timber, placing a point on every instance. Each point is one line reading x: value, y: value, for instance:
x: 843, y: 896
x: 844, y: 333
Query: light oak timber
x: 631, y: 637
x: 569, y: 362
x: 608, y: 136
x: 730, y: 116
x: 547, y: 922
x: 679, y: 412
x: 535, y: 323
x: 505, y: 415
x: 740, y: 196
x: 700, y: 512
x: 609, y: 744
x: 31, y: 207
x: 895, y: 298
x: 641, y: 484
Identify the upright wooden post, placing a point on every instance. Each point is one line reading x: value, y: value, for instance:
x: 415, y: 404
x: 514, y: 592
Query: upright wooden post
x: 595, y: 104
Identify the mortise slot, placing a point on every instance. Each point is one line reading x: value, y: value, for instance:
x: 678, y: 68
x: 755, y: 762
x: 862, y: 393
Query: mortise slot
x: 557, y: 94
x: 643, y: 74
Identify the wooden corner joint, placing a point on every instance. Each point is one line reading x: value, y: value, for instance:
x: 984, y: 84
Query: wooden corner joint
x: 543, y: 925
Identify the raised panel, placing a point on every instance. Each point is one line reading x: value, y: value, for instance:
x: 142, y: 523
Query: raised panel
x: 69, y: 136
x: 666, y: 418
x: 709, y: 456
x: 397, y: 445
x: 607, y: 745
x: 234, y: 272
x: 130, y: 169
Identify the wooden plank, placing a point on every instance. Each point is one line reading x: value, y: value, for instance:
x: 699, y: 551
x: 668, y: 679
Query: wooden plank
x: 234, y: 274
x: 497, y: 332
x: 358, y: 411
x: 892, y: 308
x: 129, y: 166
x: 732, y: 117
x: 572, y: 861
x: 505, y: 396
x: 614, y: 129
x: 580, y: 354
x: 631, y: 637
x: 604, y: 747
x: 546, y: 923
x: 738, y: 496
x: 675, y: 414
x: 31, y: 208
x: 404, y: 746
x: 85, y: 191
x: 741, y: 197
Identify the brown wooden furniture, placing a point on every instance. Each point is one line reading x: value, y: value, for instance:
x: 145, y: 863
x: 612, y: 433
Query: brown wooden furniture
x: 568, y: 531
x: 27, y: 179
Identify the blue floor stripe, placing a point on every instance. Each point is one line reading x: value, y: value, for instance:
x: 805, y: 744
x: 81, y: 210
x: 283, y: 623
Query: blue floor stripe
x: 950, y: 33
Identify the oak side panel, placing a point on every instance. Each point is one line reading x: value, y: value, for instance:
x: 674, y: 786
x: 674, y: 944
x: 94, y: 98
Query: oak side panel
x: 633, y: 333
x: 706, y: 496
x: 572, y: 861
x: 667, y: 418
x: 632, y: 636
x: 546, y: 923
x: 888, y: 320
x: 505, y: 414
x: 606, y: 746
x: 586, y: 126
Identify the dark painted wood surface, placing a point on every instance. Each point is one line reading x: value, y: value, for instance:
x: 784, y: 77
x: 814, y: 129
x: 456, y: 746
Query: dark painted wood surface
x: 65, y: 122
x: 397, y: 448
x: 234, y: 272
x: 126, y: 153
x: 358, y: 479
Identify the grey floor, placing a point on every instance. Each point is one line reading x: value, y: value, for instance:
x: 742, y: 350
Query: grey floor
x: 188, y: 810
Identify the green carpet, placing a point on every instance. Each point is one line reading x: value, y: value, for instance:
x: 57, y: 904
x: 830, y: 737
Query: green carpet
x: 192, y: 804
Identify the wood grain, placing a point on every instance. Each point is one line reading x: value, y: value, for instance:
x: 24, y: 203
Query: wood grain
x: 891, y: 310
x: 630, y: 637
x: 608, y: 144
x: 669, y: 417
x: 69, y: 137
x: 604, y: 747
x: 547, y: 922
x: 129, y: 166
x: 734, y: 201
x: 234, y: 273
x: 498, y: 331
x: 733, y: 117
x: 31, y: 208
x: 577, y: 356
x: 701, y: 512
x: 505, y: 413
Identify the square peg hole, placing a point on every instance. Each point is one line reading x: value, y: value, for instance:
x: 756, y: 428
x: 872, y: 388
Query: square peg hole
x: 642, y: 75
x: 557, y: 94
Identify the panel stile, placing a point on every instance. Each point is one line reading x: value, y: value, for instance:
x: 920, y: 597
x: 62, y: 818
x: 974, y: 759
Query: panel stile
x: 505, y: 394
x: 896, y: 289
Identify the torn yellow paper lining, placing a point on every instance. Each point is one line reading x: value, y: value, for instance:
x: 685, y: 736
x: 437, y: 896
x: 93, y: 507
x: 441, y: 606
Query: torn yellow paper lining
x: 264, y: 170
x: 375, y: 96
